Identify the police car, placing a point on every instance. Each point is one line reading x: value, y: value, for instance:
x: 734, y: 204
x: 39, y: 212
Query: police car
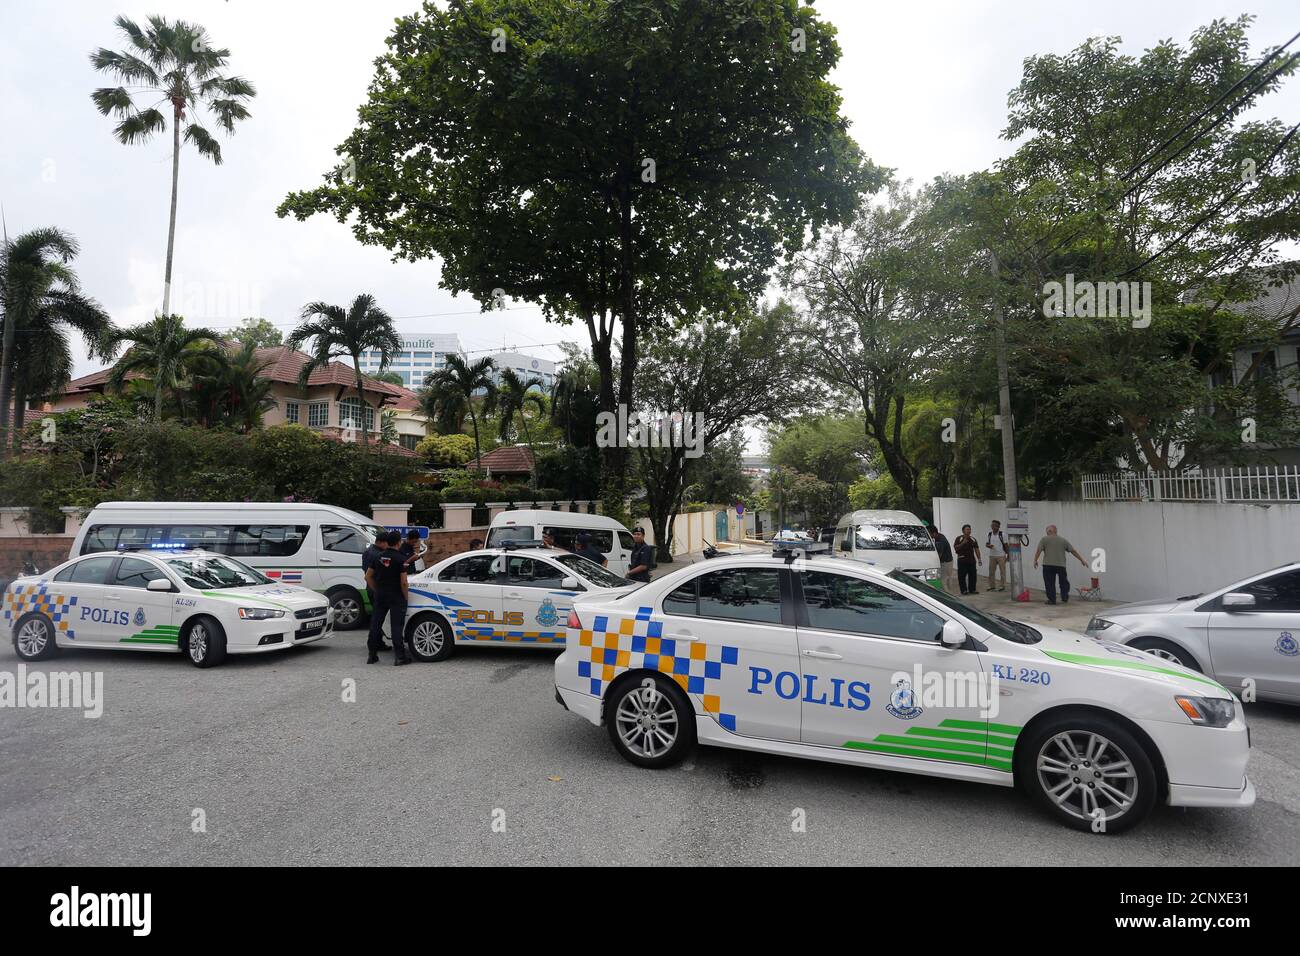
x: 198, y: 603
x: 517, y: 595
x: 803, y: 654
x: 1245, y: 635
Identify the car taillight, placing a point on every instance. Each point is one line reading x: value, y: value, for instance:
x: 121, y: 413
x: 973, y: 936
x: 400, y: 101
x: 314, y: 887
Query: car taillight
x: 573, y: 620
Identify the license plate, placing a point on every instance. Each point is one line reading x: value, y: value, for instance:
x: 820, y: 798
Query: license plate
x: 312, y: 628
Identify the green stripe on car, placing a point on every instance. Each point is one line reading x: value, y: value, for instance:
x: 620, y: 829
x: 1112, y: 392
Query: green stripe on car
x: 1129, y: 665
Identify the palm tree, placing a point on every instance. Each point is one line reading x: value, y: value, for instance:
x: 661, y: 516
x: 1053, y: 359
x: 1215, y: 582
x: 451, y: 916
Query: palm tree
x: 443, y: 404
x: 574, y: 403
x: 236, y: 392
x: 165, y: 351
x: 175, y: 63
x: 336, y: 333
x: 459, y: 378
x: 514, y: 395
x: 39, y: 295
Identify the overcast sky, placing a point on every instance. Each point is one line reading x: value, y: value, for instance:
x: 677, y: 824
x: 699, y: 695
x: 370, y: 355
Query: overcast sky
x: 924, y: 84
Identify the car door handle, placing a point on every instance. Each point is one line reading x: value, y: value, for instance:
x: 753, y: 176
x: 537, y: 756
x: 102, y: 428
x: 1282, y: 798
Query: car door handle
x: 824, y: 655
x: 683, y: 636
x: 512, y: 594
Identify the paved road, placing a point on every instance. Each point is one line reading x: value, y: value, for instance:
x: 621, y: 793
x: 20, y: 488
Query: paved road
x: 415, y: 769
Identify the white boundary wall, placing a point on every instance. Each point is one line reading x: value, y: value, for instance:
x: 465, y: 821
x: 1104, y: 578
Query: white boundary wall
x: 1152, y: 549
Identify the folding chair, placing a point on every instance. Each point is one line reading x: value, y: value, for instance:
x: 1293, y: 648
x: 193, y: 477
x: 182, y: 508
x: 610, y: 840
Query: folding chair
x: 1092, y: 593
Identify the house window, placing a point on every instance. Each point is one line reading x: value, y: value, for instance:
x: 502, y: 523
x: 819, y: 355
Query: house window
x: 318, y: 414
x: 350, y: 414
x: 291, y: 412
x: 409, y: 441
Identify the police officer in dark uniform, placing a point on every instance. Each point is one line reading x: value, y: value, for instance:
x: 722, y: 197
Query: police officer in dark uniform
x: 387, y: 577
x: 367, y: 558
x: 642, y: 561
x: 589, y: 551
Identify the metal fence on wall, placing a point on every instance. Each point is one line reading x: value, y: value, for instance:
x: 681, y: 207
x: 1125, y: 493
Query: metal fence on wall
x: 1255, y: 483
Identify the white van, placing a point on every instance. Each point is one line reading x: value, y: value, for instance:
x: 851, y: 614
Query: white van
x: 316, y: 546
x: 889, y: 540
x: 612, y: 539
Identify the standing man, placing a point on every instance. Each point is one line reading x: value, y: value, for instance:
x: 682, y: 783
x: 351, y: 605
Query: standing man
x: 642, y: 561
x: 368, y: 556
x: 1054, y: 548
x: 997, y: 546
x: 947, y: 572
x: 589, y: 551
x: 412, y: 551
x: 387, y: 576
x: 968, y: 556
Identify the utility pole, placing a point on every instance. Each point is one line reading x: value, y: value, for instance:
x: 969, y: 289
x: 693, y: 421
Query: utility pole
x: 1011, y: 489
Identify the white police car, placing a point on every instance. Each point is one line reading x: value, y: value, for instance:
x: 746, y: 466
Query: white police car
x: 517, y: 595
x: 199, y: 603
x: 828, y: 659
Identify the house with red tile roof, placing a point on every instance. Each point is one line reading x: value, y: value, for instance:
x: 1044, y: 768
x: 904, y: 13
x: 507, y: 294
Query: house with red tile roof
x: 328, y: 404
x: 505, y: 463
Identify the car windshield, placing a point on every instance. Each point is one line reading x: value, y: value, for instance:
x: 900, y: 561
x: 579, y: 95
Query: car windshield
x: 995, y: 623
x: 213, y: 572
x: 893, y: 537
x: 592, y: 571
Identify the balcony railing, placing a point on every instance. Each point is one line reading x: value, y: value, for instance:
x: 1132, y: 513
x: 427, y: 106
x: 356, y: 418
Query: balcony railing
x: 1263, y: 483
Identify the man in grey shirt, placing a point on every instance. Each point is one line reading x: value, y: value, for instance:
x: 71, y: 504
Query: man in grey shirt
x: 1054, y: 548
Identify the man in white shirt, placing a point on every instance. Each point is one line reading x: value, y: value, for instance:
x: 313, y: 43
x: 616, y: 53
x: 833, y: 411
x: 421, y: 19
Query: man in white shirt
x: 996, y: 546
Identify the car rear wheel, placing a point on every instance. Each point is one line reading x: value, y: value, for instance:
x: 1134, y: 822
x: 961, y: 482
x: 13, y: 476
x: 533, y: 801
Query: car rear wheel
x: 1165, y: 650
x: 349, y: 611
x: 1089, y: 772
x: 429, y: 638
x: 650, y: 721
x: 34, y: 638
x: 205, y: 642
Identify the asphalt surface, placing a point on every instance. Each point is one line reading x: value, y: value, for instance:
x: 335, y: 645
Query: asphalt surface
x: 431, y: 759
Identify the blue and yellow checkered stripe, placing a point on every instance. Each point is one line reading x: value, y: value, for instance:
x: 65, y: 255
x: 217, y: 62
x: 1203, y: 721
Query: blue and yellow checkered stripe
x: 615, y: 645
x: 22, y: 599
x: 479, y: 633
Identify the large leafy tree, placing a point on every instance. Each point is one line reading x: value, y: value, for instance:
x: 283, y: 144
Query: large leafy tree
x: 172, y: 65
x: 884, y: 309
x: 454, y: 387
x: 336, y: 332
x: 41, y: 300
x: 562, y: 154
x: 167, y: 354
x: 515, y: 395
x: 1129, y: 195
x: 717, y: 374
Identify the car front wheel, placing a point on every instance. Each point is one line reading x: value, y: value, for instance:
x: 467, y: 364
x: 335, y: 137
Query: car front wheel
x: 429, y: 638
x: 34, y: 638
x: 205, y: 642
x: 349, y: 612
x: 1089, y: 772
x: 650, y: 721
x: 1166, y: 651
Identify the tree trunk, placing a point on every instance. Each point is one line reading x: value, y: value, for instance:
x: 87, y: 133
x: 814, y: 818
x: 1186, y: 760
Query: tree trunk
x: 171, y: 225
x: 6, y: 367
x: 20, y: 399
x: 478, y: 451
x: 361, y: 395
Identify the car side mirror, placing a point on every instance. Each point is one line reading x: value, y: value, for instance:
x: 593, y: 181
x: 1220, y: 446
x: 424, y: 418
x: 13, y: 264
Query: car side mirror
x: 954, y: 635
x: 569, y: 584
x: 159, y: 584
x: 1238, y: 599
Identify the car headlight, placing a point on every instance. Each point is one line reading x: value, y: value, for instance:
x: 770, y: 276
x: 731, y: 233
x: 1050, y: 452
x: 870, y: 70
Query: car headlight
x: 1207, y: 711
x: 931, y: 572
x: 1099, y: 624
x: 258, y: 613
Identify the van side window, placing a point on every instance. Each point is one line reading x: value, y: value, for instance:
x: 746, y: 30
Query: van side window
x: 625, y: 540
x: 267, y: 540
x: 102, y: 537
x: 342, y: 537
x: 567, y: 538
x: 208, y: 537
